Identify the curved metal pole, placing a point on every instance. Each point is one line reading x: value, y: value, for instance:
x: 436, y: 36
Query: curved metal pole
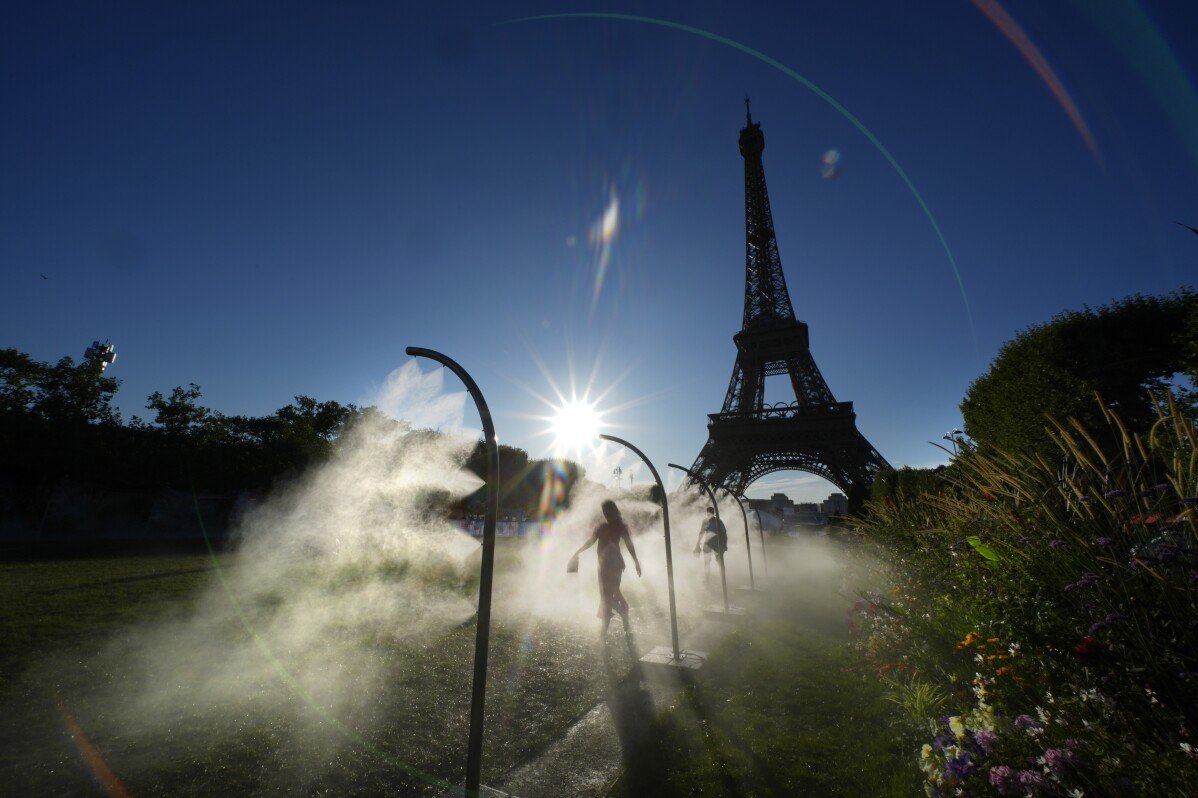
x: 716, y: 505
x: 745, y: 517
x: 482, y: 637
x: 665, y: 519
x: 765, y: 566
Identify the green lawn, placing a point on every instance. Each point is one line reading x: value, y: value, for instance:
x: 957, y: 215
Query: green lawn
x: 136, y: 653
x: 783, y: 707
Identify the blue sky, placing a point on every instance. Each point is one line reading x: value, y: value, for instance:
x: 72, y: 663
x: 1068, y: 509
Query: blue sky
x: 274, y: 199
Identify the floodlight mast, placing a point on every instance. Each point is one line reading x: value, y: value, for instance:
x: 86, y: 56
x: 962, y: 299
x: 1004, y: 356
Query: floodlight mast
x: 665, y: 520
x: 716, y: 506
x: 482, y: 638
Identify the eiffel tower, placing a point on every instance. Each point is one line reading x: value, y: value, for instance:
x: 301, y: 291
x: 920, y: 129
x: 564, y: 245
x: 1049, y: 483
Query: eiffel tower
x: 748, y: 439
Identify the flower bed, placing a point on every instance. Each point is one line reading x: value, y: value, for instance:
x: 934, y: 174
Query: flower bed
x: 1040, y: 628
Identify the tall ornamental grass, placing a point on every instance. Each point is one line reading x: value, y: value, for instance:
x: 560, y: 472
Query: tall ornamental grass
x: 1052, y: 604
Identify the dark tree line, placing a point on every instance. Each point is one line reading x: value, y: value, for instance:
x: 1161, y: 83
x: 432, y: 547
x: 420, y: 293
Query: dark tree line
x: 57, y: 422
x: 1120, y: 352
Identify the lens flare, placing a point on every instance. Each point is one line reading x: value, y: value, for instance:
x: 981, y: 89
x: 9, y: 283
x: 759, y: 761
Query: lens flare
x: 1018, y: 37
x: 603, y: 239
x: 829, y: 165
x: 823, y: 95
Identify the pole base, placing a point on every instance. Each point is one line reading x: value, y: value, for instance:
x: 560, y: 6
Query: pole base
x: 756, y: 590
x: 664, y: 656
x: 459, y: 790
x: 730, y: 615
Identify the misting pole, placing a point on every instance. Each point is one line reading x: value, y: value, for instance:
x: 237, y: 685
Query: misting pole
x: 482, y: 637
x: 745, y: 517
x: 765, y: 566
x: 665, y: 520
x: 716, y: 506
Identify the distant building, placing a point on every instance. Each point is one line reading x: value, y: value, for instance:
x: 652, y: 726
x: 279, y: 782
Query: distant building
x: 835, y: 504
x: 803, y: 514
x: 778, y: 505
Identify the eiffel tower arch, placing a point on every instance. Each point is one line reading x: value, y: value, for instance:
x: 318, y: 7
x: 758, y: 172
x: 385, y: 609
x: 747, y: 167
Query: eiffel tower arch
x: 748, y: 439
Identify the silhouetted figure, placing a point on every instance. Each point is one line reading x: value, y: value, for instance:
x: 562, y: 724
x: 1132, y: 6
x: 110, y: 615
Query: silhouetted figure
x: 712, y: 541
x: 611, y: 565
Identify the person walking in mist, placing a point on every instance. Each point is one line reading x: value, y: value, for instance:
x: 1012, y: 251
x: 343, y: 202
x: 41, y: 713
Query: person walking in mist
x: 611, y: 565
x: 713, y: 540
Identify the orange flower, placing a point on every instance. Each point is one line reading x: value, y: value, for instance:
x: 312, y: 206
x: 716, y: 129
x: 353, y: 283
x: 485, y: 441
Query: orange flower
x: 971, y: 639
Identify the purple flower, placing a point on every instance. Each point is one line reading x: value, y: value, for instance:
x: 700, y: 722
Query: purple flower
x: 941, y: 741
x: 1111, y: 494
x: 1029, y: 780
x: 1162, y: 486
x: 959, y: 767
x: 1056, y: 544
x: 1104, y: 541
x: 1059, y: 760
x: 1190, y: 500
x: 1027, y: 723
x: 1004, y: 780
x: 1074, y: 745
x: 1024, y: 540
x: 986, y: 740
x: 1188, y: 676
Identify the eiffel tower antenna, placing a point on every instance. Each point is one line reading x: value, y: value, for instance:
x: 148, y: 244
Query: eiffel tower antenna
x: 816, y: 433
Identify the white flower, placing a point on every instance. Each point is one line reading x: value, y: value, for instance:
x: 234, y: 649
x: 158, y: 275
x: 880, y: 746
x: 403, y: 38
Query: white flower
x: 1076, y: 792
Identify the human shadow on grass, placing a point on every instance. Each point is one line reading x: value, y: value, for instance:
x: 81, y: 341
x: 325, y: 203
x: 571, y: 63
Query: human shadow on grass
x: 632, y: 713
x: 659, y: 750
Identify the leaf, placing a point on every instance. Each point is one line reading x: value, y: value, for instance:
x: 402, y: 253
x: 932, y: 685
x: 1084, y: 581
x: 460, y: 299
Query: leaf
x: 982, y: 549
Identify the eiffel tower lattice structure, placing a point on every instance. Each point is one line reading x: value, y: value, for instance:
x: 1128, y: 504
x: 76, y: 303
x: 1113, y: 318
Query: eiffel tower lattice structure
x: 748, y: 439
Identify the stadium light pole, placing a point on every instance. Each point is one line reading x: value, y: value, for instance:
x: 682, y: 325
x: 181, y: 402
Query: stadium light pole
x: 482, y: 637
x: 687, y: 659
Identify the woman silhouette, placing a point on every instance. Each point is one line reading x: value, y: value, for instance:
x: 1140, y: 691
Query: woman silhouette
x: 611, y: 564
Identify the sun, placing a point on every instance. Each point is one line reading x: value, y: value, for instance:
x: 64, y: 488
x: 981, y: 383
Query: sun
x: 575, y: 426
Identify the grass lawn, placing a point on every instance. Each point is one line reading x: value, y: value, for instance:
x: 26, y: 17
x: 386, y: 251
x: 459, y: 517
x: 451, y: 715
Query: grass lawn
x: 782, y: 708
x: 127, y: 661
